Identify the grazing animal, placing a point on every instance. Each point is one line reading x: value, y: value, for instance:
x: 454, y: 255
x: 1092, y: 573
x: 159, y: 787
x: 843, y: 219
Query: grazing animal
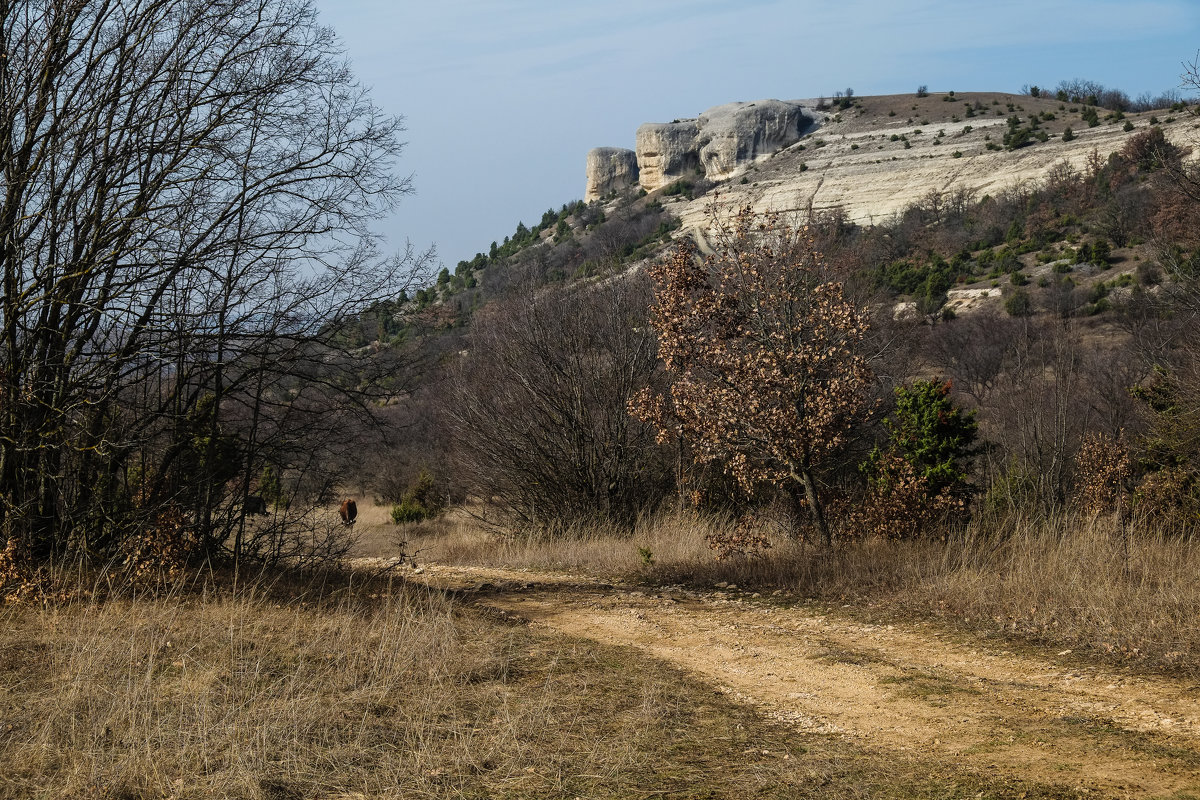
x: 254, y: 505
x: 349, y: 511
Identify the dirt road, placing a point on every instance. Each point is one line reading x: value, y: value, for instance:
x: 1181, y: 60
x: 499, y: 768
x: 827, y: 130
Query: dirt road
x: 1039, y: 717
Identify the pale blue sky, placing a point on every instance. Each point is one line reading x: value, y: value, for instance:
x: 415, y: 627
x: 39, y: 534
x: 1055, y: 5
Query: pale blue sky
x: 504, y: 99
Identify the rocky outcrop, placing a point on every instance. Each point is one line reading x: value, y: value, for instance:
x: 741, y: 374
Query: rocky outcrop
x: 735, y: 134
x: 609, y: 169
x: 718, y: 143
x: 666, y: 151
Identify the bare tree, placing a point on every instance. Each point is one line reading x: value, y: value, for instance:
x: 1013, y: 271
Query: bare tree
x: 184, y: 221
x: 1037, y: 417
x: 974, y: 351
x: 538, y: 410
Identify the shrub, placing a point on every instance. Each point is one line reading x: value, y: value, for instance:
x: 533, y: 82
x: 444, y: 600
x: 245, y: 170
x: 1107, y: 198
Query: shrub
x: 1068, y: 134
x: 405, y: 512
x: 1019, y: 304
x: 921, y: 474
x: 421, y: 501
x: 1150, y: 150
x: 537, y: 408
x: 1016, y: 136
x: 680, y: 187
x: 270, y: 488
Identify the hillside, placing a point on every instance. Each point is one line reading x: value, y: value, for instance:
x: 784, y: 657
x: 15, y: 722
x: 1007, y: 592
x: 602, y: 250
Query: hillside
x: 1050, y: 227
x: 864, y: 167
x: 886, y: 153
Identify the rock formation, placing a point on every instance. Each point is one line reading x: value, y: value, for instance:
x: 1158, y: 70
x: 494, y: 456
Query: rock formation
x: 609, y: 169
x: 737, y: 133
x: 666, y: 152
x: 715, y: 145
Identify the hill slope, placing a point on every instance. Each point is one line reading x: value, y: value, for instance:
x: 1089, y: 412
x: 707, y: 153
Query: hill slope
x: 886, y: 153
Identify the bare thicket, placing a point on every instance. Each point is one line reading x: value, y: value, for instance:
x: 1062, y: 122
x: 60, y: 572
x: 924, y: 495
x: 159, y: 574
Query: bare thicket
x: 188, y: 189
x: 538, y: 407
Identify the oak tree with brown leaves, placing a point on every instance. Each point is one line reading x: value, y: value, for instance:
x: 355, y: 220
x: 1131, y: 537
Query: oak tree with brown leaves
x: 765, y: 355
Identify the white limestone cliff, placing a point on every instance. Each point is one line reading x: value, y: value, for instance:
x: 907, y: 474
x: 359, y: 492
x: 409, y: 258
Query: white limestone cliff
x: 609, y: 169
x: 716, y: 145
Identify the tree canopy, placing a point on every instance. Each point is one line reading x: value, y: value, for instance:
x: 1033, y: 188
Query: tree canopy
x: 764, y: 350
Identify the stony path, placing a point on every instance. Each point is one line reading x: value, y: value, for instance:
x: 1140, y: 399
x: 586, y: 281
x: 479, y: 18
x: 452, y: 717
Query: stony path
x: 908, y: 689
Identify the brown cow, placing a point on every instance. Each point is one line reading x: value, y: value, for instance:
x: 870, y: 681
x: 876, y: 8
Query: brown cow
x: 349, y: 511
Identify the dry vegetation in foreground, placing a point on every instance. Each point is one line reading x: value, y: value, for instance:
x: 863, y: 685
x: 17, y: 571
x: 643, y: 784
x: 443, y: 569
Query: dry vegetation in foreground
x: 1126, y: 596
x: 353, y: 689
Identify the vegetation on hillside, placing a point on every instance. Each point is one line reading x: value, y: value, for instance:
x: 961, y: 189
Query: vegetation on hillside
x: 1096, y: 271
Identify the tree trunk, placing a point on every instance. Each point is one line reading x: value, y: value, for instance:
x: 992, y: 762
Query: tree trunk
x: 814, y: 507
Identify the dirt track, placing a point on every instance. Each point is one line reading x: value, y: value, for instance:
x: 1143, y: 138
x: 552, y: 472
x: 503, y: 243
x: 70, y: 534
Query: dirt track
x: 907, y: 689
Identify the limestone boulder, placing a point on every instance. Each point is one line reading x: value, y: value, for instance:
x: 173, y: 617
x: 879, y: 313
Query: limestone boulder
x: 609, y: 169
x: 666, y: 152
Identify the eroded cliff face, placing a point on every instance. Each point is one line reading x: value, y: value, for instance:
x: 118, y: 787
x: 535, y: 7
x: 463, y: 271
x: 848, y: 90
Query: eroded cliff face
x: 716, y: 145
x: 868, y: 164
x: 666, y: 151
x: 609, y: 169
x: 735, y: 134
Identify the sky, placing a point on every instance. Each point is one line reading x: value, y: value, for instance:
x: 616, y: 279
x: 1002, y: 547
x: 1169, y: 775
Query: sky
x: 503, y: 99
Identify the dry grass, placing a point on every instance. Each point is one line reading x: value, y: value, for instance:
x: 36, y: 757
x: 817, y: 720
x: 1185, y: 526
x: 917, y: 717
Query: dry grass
x: 1126, y: 595
x: 351, y: 689
x: 1086, y: 583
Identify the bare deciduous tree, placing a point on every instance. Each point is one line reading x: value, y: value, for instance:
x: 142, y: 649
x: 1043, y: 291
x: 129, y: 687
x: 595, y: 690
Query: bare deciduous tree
x: 538, y: 410
x: 187, y: 190
x: 974, y: 350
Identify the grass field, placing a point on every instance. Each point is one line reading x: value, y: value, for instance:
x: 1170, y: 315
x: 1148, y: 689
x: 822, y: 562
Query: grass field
x: 344, y: 688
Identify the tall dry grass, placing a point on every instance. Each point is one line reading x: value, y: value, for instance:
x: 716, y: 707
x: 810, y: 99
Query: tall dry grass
x: 1124, y: 592
x: 1127, y: 592
x: 250, y: 693
x: 345, y: 689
